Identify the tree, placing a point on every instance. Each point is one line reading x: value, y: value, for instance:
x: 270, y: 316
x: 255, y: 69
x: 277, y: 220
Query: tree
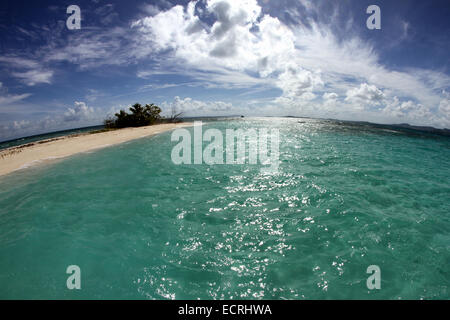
x: 152, y: 113
x: 174, y: 116
x: 123, y: 119
x: 140, y: 116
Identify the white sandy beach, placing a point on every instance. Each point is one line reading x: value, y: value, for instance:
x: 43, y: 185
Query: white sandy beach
x: 19, y: 157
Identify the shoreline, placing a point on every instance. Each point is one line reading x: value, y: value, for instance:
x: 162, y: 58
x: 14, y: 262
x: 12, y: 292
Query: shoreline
x: 23, y: 156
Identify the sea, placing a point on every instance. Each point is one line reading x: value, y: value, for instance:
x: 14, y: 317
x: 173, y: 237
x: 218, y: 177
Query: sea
x: 347, y: 199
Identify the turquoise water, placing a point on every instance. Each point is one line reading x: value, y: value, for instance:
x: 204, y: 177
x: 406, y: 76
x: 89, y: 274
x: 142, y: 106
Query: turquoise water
x: 139, y: 227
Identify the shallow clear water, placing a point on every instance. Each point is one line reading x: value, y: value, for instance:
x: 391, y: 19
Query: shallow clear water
x: 346, y: 197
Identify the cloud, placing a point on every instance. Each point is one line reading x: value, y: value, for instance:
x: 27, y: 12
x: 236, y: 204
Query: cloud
x: 106, y: 14
x: 19, y: 62
x: 217, y: 49
x: 151, y: 9
x: 19, y: 125
x: 93, y: 95
x: 444, y: 111
x: 366, y: 94
x: 27, y: 71
x: 305, y: 62
x: 330, y: 96
x: 191, y: 107
x: 10, y: 99
x: 92, y: 49
x: 444, y: 106
x: 79, y: 112
x: 79, y: 115
x: 34, y: 77
x: 299, y: 83
x: 155, y: 7
x: 405, y: 28
x: 21, y: 128
x: 7, y: 99
x: 412, y: 112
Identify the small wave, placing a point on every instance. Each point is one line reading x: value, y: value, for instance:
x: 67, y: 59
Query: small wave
x: 36, y: 162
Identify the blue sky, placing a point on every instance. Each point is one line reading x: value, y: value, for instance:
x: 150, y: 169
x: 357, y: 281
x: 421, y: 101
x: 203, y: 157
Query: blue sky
x: 221, y: 57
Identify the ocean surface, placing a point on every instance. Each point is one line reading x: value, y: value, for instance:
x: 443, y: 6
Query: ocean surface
x: 346, y: 197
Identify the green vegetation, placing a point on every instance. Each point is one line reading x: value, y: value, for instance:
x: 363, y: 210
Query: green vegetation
x: 140, y: 116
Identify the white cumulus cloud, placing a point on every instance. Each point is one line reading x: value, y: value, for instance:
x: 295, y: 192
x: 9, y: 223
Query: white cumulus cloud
x: 366, y: 93
x: 192, y: 107
x: 80, y: 111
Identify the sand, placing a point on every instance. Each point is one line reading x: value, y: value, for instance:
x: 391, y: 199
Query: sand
x: 21, y: 157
